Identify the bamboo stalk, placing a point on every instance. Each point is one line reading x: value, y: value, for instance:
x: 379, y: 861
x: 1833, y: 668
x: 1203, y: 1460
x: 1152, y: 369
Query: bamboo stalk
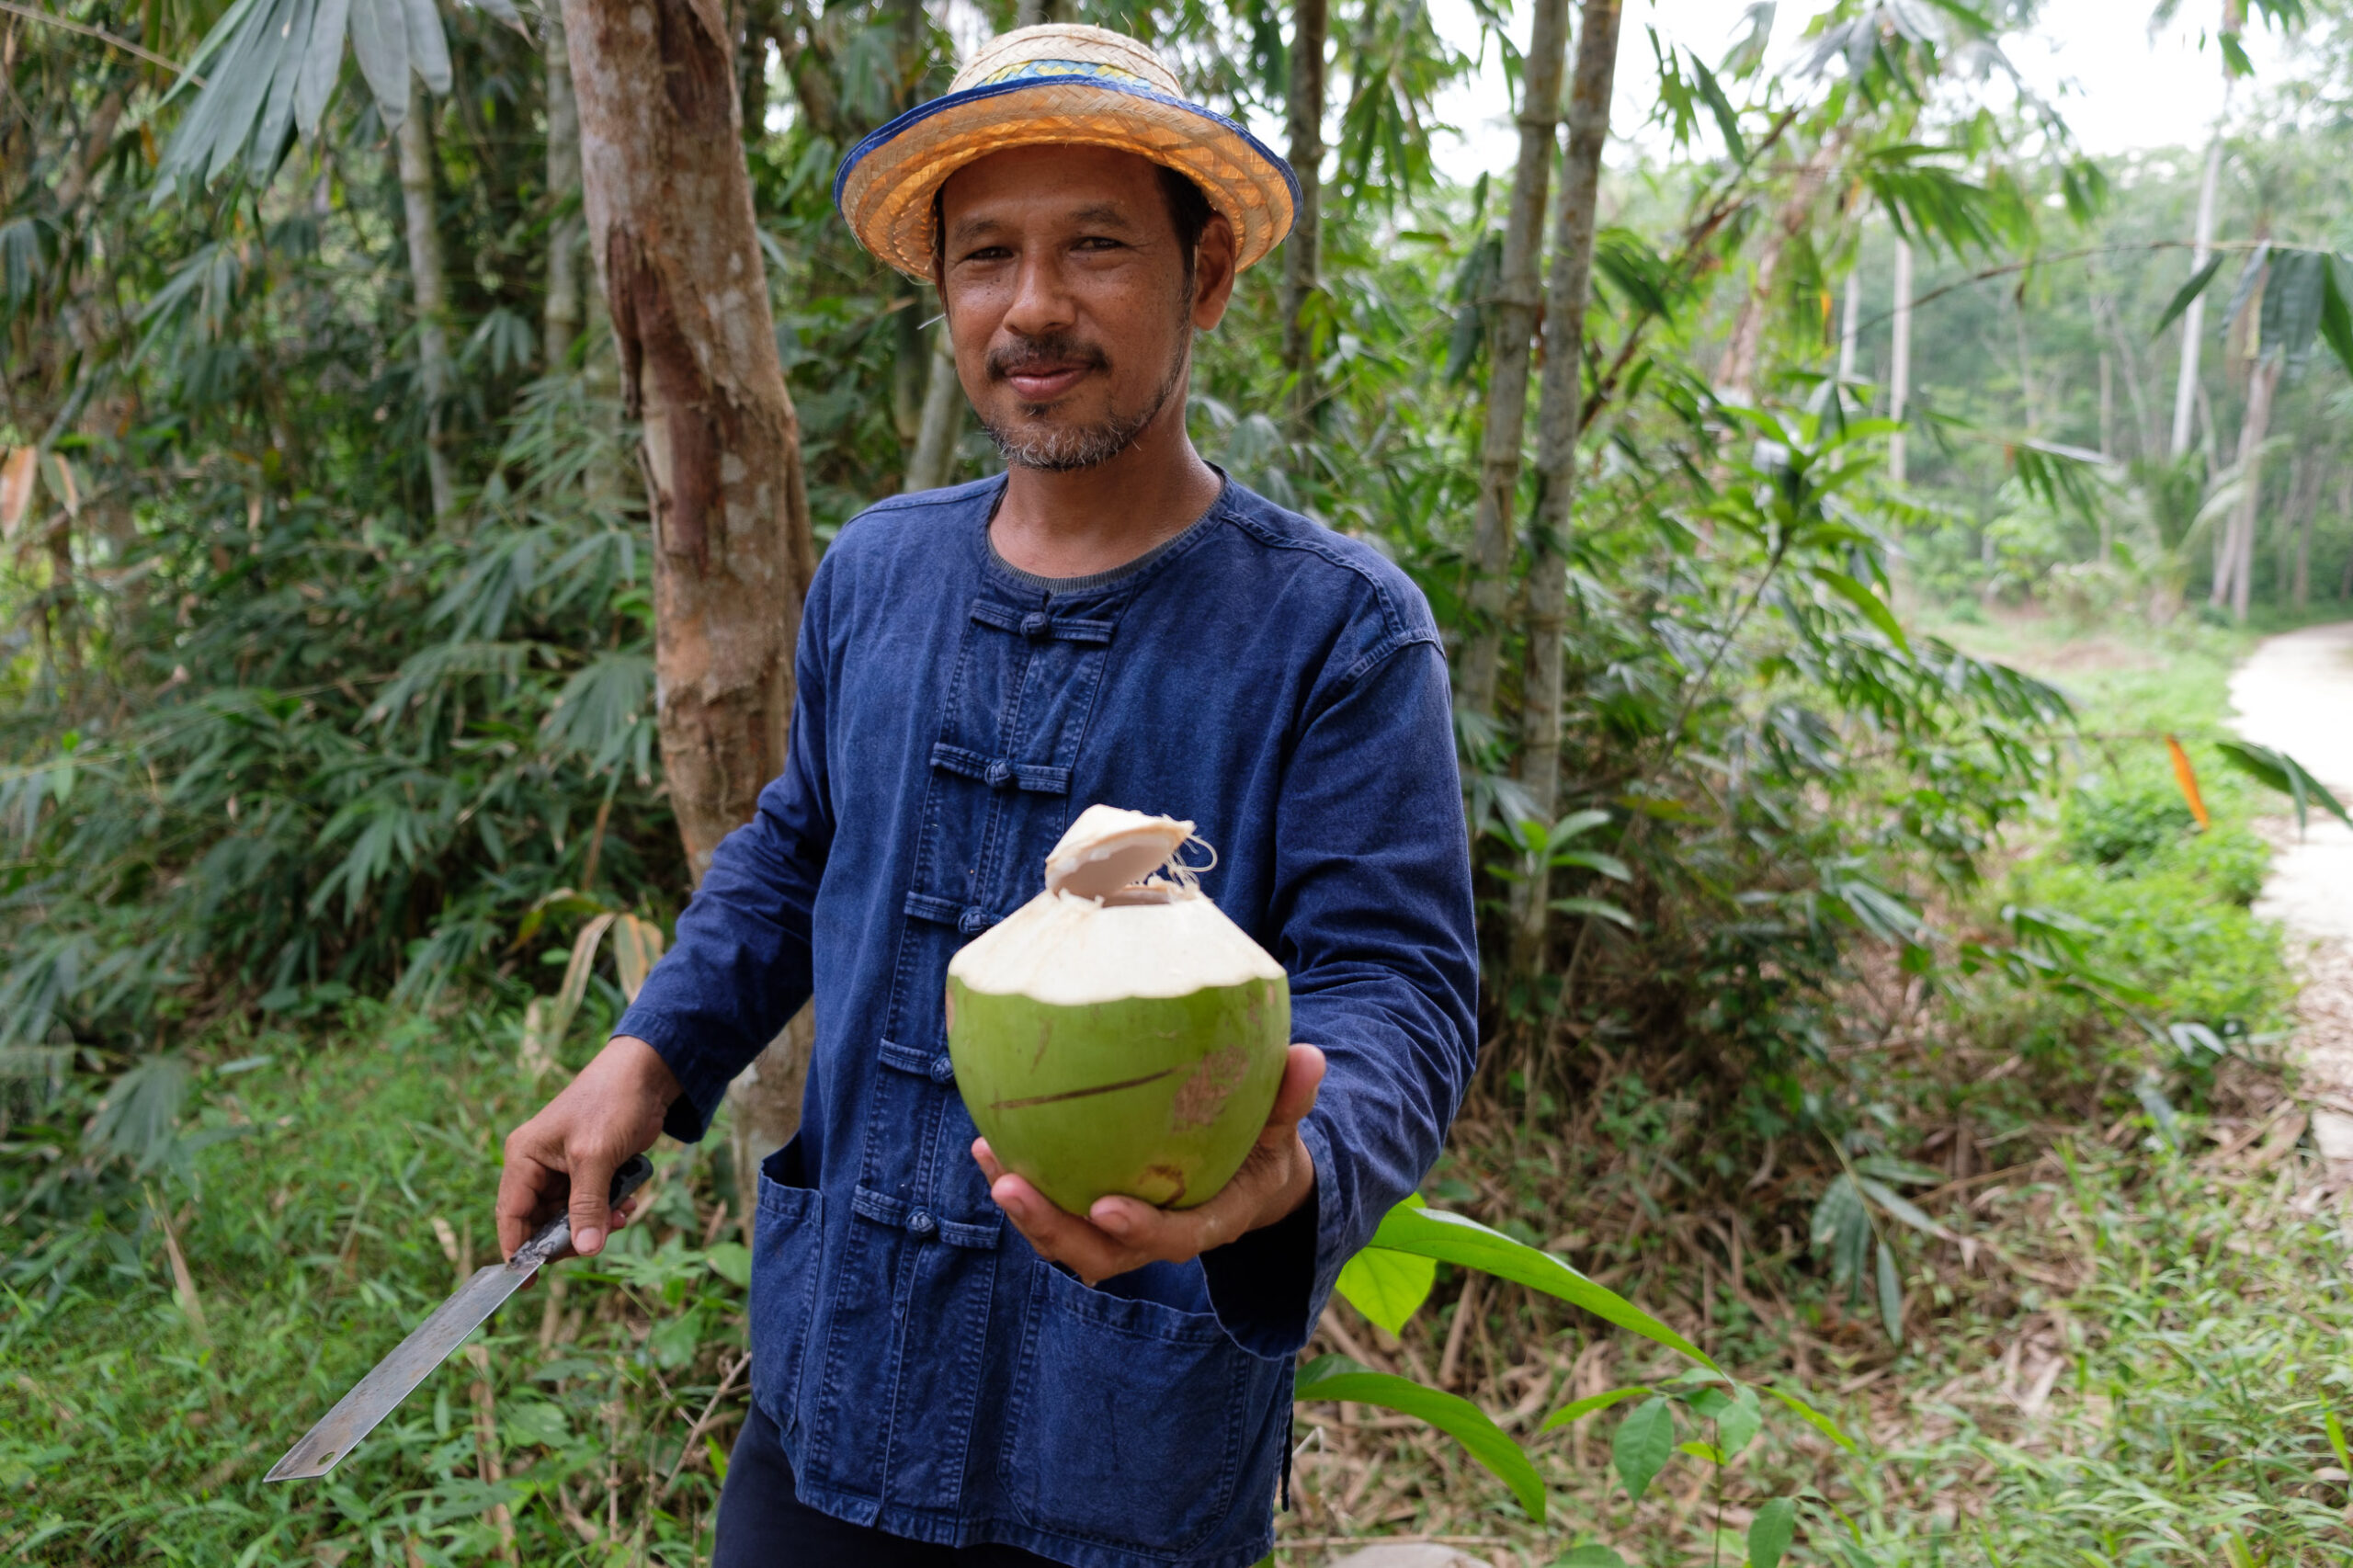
x: 1509, y: 354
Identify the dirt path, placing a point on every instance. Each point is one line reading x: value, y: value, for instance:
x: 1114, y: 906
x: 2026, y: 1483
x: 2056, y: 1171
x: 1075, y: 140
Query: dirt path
x: 2295, y: 694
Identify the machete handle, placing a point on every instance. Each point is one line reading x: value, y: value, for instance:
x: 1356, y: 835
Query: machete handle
x: 556, y: 1235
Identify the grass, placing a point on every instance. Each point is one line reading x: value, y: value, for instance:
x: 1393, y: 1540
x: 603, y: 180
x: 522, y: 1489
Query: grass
x: 330, y: 1191
x: 2125, y: 1343
x: 2123, y: 1347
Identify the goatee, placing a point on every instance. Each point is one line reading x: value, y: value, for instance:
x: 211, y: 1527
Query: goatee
x: 1068, y: 448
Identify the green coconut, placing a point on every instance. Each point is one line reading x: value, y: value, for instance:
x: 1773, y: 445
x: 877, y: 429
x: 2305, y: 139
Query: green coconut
x: 1118, y: 1033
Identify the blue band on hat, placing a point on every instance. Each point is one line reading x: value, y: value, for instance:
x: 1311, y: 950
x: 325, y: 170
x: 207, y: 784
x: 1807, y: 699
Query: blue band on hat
x: 1055, y: 74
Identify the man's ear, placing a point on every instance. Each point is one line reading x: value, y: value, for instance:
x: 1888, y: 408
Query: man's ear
x: 1213, y: 272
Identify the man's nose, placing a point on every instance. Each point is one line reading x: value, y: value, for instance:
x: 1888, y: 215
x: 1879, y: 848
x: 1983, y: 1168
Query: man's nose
x: 1042, y: 297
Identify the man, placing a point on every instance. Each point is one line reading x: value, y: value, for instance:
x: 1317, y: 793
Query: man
x: 1110, y: 621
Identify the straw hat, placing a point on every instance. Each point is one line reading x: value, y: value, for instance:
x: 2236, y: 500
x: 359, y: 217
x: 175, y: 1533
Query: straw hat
x: 1058, y: 82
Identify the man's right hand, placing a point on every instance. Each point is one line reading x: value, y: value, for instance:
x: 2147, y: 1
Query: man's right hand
x: 613, y: 1109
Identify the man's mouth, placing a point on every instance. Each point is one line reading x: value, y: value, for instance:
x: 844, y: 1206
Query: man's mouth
x: 1045, y: 381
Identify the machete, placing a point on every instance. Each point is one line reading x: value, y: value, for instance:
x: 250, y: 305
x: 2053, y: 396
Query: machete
x: 373, y: 1397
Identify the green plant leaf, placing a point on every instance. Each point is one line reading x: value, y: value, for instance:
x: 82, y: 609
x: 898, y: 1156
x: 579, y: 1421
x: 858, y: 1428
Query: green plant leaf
x: 1891, y: 1294
x: 1600, y: 909
x: 1874, y: 608
x: 732, y: 1261
x: 1737, y: 1424
x: 1644, y: 1443
x: 2186, y: 292
x: 1336, y: 1377
x: 1814, y: 1418
x: 1581, y: 1408
x: 1769, y: 1532
x: 1592, y: 1555
x: 1387, y: 1286
x: 2285, y: 774
x: 1451, y: 1238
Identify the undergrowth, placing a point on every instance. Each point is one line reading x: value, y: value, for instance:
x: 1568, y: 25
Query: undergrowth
x: 328, y: 1193
x: 2117, y: 1331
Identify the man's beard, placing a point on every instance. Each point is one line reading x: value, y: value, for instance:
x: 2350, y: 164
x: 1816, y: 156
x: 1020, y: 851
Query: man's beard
x: 1069, y: 449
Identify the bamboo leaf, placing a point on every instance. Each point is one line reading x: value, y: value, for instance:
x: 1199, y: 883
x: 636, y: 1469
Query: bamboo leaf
x: 1600, y: 909
x: 380, y: 42
x: 277, y: 112
x: 2285, y: 774
x: 1336, y: 1377
x: 2336, y: 310
x: 1644, y: 1443
x: 1891, y: 1294
x: 1451, y: 1238
x: 2186, y: 292
x: 1874, y: 608
x: 428, y: 51
x: 321, y: 63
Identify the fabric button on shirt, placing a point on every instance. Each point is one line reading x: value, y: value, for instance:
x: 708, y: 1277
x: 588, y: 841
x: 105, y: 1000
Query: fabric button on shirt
x: 928, y: 1373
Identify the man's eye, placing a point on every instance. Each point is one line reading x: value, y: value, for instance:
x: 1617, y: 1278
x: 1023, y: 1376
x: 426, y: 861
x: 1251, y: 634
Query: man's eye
x: 988, y: 252
x: 1097, y: 241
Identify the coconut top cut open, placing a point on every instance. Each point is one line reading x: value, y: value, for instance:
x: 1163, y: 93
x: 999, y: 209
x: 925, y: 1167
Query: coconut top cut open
x: 1120, y: 917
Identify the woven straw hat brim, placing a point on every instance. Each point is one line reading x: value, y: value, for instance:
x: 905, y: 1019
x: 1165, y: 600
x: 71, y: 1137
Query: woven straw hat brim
x: 885, y: 185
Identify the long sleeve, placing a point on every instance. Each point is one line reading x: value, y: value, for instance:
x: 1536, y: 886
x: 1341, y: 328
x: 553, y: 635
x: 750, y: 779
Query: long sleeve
x: 1373, y: 919
x: 741, y: 966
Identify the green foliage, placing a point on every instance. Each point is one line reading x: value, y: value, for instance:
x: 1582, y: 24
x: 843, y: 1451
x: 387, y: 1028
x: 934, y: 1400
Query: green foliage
x: 317, y: 1220
x: 2108, y: 827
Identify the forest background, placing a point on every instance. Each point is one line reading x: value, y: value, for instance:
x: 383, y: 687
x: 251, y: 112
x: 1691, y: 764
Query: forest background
x: 1879, y: 1012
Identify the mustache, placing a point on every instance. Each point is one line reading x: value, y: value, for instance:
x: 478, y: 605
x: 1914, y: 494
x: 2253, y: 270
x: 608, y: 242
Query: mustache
x: 1055, y: 351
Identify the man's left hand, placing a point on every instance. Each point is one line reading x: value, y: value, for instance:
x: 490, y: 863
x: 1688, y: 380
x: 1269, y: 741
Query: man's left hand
x: 1121, y: 1233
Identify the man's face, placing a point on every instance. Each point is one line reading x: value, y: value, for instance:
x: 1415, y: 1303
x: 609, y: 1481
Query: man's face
x: 1069, y: 300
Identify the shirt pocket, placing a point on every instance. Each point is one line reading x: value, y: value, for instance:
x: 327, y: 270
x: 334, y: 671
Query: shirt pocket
x: 788, y: 1244
x: 1130, y: 1422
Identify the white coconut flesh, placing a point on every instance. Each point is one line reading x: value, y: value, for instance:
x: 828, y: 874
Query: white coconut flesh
x: 1089, y: 939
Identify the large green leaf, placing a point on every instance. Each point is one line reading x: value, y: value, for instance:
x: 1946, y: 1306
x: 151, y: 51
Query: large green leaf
x: 1579, y: 1409
x: 1387, y: 1286
x: 380, y: 42
x: 321, y: 63
x: 1769, y: 1532
x: 1337, y: 1377
x: 2285, y: 774
x: 1644, y: 1442
x: 1451, y: 1238
x: 2189, y: 292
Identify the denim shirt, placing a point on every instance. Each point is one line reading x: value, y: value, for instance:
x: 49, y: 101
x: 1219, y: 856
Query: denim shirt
x: 1281, y: 686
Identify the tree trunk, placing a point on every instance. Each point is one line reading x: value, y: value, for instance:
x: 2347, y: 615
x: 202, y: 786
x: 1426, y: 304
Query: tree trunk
x: 2305, y: 502
x: 2345, y: 514
x: 1737, y: 373
x: 2193, y: 320
x: 1509, y: 352
x: 942, y: 423
x: 429, y: 284
x: 2145, y: 427
x: 1310, y: 26
x: 2256, y: 425
x: 1850, y: 324
x: 669, y: 216
x: 559, y: 318
x: 1899, y: 368
x: 1558, y: 417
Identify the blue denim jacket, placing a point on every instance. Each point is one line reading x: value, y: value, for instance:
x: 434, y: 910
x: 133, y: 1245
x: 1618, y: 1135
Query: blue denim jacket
x: 1283, y: 687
